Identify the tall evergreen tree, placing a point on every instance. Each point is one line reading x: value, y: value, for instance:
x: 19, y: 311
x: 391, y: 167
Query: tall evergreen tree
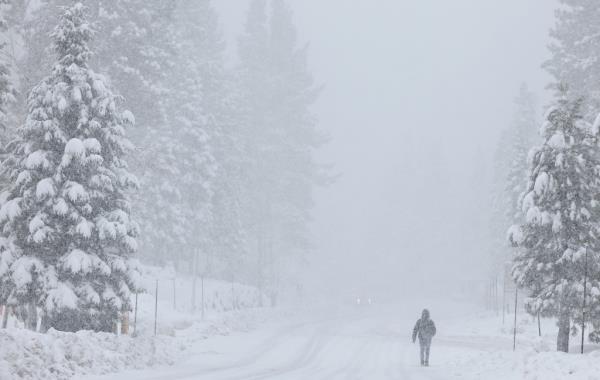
x: 279, y: 138
x: 197, y: 114
x: 7, y: 89
x: 68, y: 236
x: 133, y: 43
x: 210, y: 141
x: 252, y: 101
x: 138, y: 52
x: 510, y: 172
x: 559, y: 238
x: 293, y: 94
x: 135, y: 48
x: 575, y: 52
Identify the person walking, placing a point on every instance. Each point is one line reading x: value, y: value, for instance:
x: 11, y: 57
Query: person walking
x: 425, y: 330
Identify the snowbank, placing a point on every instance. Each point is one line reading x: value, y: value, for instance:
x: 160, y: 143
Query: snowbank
x: 481, y: 347
x: 57, y: 355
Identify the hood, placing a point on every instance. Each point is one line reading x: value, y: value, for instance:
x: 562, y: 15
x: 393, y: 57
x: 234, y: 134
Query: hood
x: 425, y: 314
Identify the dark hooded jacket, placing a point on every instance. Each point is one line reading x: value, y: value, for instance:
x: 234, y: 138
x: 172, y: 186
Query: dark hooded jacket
x: 424, y: 328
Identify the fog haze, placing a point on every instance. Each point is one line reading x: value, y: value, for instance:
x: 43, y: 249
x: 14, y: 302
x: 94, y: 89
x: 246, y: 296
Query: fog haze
x: 415, y: 96
x: 299, y: 189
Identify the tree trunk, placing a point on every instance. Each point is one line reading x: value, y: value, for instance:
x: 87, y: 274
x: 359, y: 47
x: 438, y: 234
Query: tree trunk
x: 564, y: 330
x: 45, y: 324
x: 31, y: 316
x: 125, y: 323
x: 5, y: 316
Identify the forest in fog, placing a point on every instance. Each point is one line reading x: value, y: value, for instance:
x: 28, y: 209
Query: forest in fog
x: 245, y: 189
x: 207, y: 167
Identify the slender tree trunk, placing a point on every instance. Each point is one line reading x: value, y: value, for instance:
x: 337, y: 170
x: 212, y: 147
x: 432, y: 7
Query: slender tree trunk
x: 564, y: 330
x: 45, y: 324
x: 125, y: 323
x: 195, y: 276
x: 259, y: 267
x: 5, y: 316
x: 32, y: 316
x: 202, y: 295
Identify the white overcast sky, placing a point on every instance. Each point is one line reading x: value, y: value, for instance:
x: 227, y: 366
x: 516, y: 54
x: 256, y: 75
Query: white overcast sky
x: 416, y: 92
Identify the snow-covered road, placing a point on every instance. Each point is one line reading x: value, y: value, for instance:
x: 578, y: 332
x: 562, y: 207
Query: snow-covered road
x: 339, y: 348
x: 369, y: 343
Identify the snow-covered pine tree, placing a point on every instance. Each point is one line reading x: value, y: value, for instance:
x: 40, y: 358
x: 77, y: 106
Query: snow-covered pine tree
x: 7, y: 90
x: 576, y: 52
x: 252, y: 105
x: 68, y: 236
x: 279, y: 138
x: 561, y: 225
x: 510, y: 173
x: 133, y: 43
x: 521, y: 141
x: 500, y: 204
x: 293, y: 93
x: 209, y: 142
x: 135, y: 48
x: 194, y: 118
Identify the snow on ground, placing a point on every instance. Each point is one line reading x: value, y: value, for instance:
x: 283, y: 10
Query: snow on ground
x: 480, y: 346
x: 175, y: 305
x: 335, y: 342
x: 55, y: 355
x: 58, y: 355
x: 373, y: 342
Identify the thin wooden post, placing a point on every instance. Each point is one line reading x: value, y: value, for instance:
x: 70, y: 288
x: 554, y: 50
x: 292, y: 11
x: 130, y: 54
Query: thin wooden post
x: 194, y: 280
x: 125, y: 323
x: 202, y: 286
x: 515, y: 322
x: 539, y: 325
x: 155, y: 307
x: 233, y: 303
x: 5, y: 316
x: 496, y: 308
x: 503, y: 298
x: 584, y: 296
x: 174, y: 294
x: 135, y: 313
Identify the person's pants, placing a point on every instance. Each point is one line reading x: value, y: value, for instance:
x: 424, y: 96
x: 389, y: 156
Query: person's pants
x: 425, y: 347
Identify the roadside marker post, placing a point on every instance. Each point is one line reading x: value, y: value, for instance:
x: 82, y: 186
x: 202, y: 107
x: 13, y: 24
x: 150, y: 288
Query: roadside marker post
x: 155, y: 307
x: 515, y: 322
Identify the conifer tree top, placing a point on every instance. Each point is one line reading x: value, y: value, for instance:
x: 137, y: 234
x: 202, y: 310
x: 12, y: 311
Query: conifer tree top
x: 71, y: 37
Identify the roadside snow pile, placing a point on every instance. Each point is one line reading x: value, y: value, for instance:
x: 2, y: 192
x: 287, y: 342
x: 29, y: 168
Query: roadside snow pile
x: 228, y: 307
x: 560, y: 366
x: 57, y: 355
x: 481, y: 347
x: 61, y: 356
x: 526, y: 364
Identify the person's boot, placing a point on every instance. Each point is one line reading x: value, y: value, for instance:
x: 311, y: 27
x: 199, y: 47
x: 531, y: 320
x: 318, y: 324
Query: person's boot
x: 422, y: 363
x: 426, y: 363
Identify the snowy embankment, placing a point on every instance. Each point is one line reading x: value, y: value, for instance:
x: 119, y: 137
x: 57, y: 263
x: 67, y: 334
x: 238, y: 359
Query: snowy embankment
x: 57, y: 355
x: 481, y: 347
